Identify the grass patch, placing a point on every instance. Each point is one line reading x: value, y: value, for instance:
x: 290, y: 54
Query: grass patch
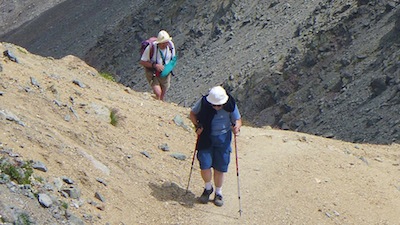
x: 64, y: 205
x: 22, y: 50
x: 20, y: 174
x: 107, y: 76
x: 24, y: 219
x: 115, y: 117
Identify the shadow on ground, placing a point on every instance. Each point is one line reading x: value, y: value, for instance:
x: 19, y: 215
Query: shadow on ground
x: 170, y: 191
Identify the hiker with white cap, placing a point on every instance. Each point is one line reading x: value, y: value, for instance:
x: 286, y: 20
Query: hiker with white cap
x: 158, y: 59
x: 215, y: 117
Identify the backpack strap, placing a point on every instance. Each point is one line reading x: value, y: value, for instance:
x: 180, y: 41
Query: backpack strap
x: 170, y: 46
x: 153, y: 46
x: 151, y: 50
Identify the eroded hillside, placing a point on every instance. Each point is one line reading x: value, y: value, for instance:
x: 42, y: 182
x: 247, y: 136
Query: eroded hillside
x: 328, y: 68
x: 61, y: 114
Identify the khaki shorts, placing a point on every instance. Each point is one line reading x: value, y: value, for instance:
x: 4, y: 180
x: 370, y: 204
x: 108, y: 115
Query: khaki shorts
x: 164, y: 82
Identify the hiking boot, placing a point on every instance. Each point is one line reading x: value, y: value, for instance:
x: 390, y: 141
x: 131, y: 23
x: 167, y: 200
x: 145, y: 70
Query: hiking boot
x: 205, y: 196
x: 218, y: 200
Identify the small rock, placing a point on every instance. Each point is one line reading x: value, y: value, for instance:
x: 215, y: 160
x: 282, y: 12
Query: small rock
x: 67, y: 118
x: 72, y: 192
x: 39, y: 166
x: 45, y: 200
x: 67, y: 180
x: 328, y: 135
x: 378, y: 159
x: 57, y: 183
x: 10, y: 55
x: 34, y: 82
x: 80, y: 84
x: 178, y: 120
x: 145, y: 154
x: 179, y: 156
x: 364, y: 160
x: 101, y: 181
x: 164, y: 147
x: 99, y: 197
x: 58, y: 103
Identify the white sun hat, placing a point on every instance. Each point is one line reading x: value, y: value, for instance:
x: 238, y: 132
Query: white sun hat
x: 217, y: 96
x: 163, y: 37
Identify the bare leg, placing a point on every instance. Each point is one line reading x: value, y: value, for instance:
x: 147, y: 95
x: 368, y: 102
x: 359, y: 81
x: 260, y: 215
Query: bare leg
x: 163, y: 91
x: 218, y: 178
x: 157, y: 91
x: 206, y: 175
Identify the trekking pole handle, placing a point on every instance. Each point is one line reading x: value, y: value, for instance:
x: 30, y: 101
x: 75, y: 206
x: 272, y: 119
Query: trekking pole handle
x: 198, y: 126
x: 234, y: 125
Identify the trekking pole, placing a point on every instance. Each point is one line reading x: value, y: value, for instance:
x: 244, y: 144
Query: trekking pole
x: 191, y: 168
x: 237, y: 174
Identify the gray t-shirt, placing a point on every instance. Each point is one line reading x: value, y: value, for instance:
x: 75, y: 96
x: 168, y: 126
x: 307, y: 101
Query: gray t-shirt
x: 222, y: 121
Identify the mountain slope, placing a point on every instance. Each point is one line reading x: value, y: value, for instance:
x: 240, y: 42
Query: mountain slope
x: 15, y: 13
x: 321, y: 67
x: 57, y: 111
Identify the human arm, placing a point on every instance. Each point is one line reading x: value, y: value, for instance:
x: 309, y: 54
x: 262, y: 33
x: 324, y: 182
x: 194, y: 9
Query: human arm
x: 152, y: 65
x: 236, y: 126
x: 236, y: 120
x: 148, y: 64
x: 193, y: 117
x: 149, y: 61
x: 197, y: 125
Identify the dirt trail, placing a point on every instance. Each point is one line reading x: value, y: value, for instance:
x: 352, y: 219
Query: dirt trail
x: 294, y: 178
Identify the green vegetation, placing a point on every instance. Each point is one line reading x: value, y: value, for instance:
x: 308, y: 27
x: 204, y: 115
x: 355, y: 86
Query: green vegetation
x: 64, y: 205
x: 22, y: 50
x: 107, y: 76
x: 24, y: 219
x: 20, y: 174
x: 115, y: 117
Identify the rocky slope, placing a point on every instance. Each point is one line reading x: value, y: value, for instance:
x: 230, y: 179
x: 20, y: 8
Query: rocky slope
x: 328, y: 68
x: 104, y: 154
x: 15, y: 13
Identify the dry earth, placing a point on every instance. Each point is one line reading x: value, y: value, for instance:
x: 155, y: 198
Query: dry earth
x: 284, y: 177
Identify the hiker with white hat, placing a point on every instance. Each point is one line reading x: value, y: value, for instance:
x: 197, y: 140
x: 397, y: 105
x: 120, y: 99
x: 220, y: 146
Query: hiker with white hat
x: 159, y: 59
x: 215, y: 117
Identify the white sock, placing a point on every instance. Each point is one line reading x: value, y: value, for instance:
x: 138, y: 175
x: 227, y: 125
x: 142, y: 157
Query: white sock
x: 218, y: 191
x: 208, y: 186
